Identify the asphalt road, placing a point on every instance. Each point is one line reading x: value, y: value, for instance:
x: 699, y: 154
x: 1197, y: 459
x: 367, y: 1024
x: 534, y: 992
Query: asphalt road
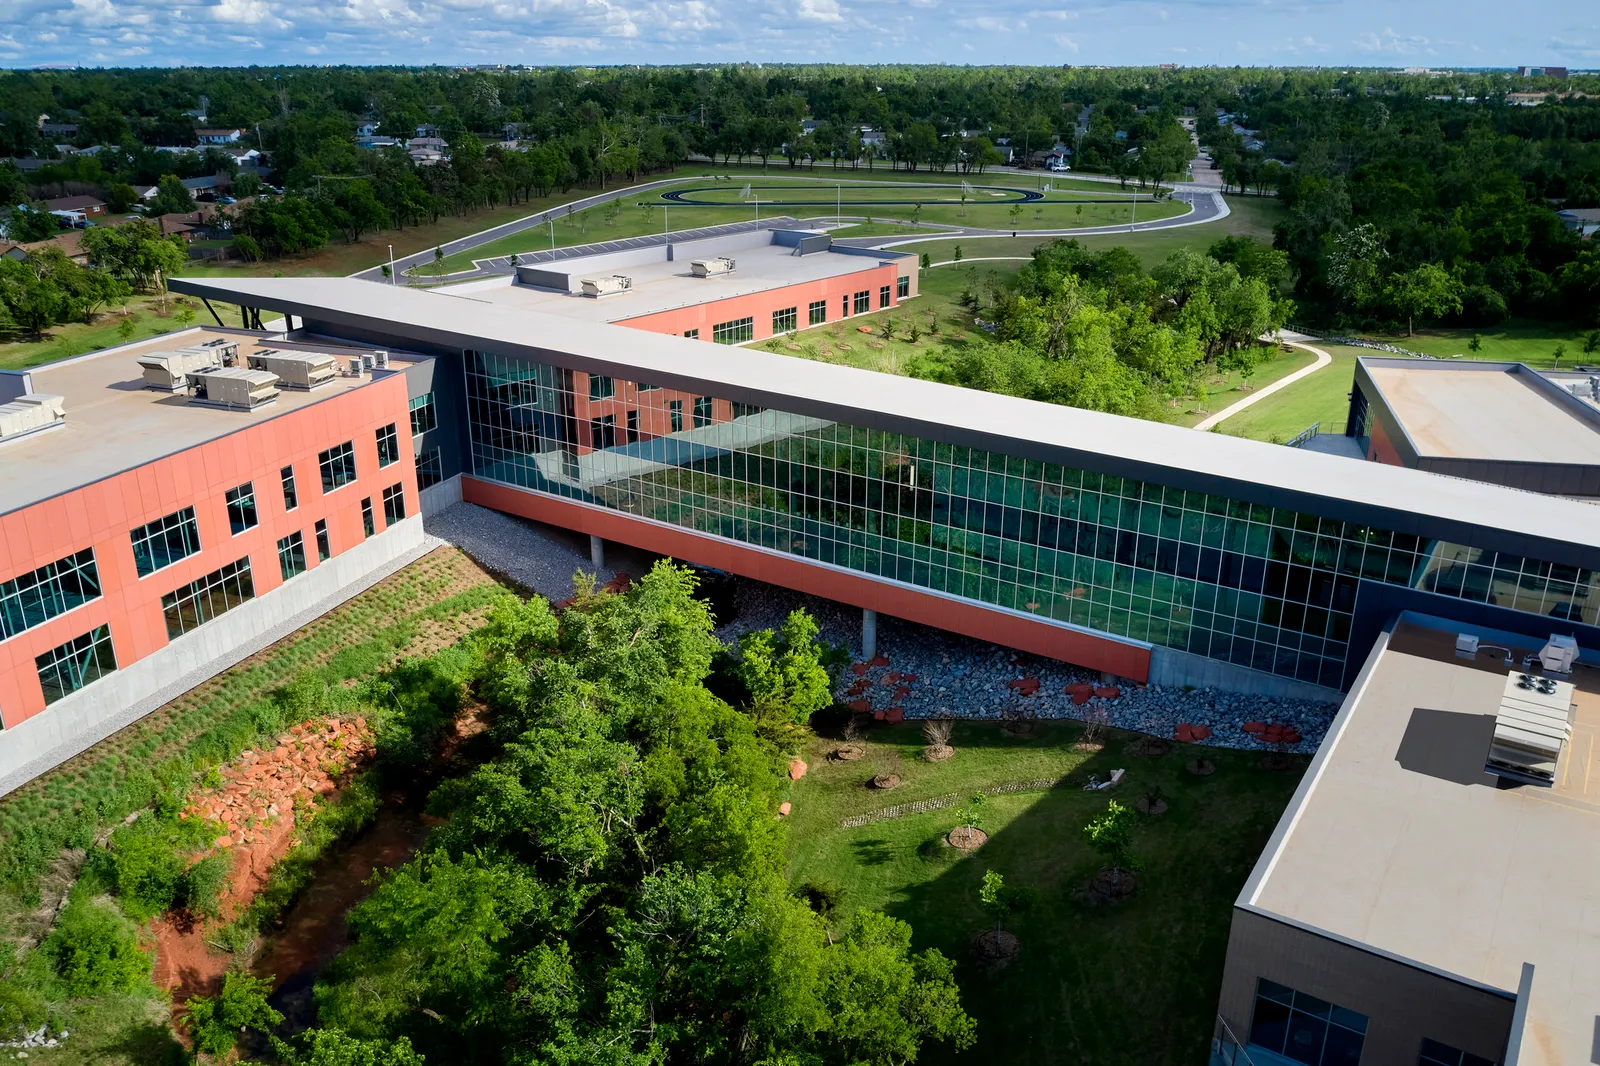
x: 1206, y: 202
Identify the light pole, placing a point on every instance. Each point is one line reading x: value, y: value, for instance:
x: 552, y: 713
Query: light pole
x: 552, y: 220
x: 391, y: 264
x: 1133, y: 211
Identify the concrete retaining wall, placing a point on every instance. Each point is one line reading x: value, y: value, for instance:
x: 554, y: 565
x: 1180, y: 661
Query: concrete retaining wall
x: 436, y: 498
x: 91, y: 714
x: 1176, y: 669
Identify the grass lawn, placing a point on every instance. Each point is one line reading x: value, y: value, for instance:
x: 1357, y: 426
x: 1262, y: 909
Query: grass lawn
x: 1134, y: 982
x: 76, y: 338
x: 1220, y: 389
x: 1520, y: 340
x: 1320, y: 397
x: 1250, y: 216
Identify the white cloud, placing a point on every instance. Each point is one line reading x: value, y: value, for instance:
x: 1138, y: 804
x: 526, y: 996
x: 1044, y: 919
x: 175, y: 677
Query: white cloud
x: 248, y: 12
x: 1390, y: 42
x: 1063, y: 41
x: 819, y: 11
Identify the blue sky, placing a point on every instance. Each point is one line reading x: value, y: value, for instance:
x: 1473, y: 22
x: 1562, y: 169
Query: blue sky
x: 1195, y: 32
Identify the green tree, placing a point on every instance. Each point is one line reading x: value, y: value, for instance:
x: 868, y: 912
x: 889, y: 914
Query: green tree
x: 957, y: 255
x: 1427, y: 291
x: 1475, y: 345
x: 333, y: 1047
x: 1557, y: 355
x: 95, y: 949
x: 992, y: 895
x: 216, y: 1022
x: 171, y: 198
x: 786, y: 672
x: 1591, y: 343
x: 121, y: 198
x: 28, y: 224
x: 126, y: 329
x: 184, y: 317
x: 1111, y: 835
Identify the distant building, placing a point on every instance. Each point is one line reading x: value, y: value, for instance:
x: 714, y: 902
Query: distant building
x: 218, y: 136
x: 88, y: 206
x: 1541, y: 72
x: 70, y: 243
x: 1586, y: 220
x: 58, y: 129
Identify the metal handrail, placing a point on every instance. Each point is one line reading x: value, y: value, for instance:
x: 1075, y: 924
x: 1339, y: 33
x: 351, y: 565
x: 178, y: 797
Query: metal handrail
x: 1226, y: 1048
x: 1305, y: 435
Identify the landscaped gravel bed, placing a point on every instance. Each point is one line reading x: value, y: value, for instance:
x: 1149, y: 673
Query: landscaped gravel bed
x: 952, y: 676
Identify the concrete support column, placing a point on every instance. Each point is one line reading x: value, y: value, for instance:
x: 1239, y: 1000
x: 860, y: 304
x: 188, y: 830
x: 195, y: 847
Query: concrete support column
x: 597, y: 552
x: 869, y: 634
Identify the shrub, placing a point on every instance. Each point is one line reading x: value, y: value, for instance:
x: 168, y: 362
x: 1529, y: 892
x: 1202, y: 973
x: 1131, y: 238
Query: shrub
x: 96, y: 950
x: 215, y: 1023
x: 334, y: 1047
x: 143, y: 869
x: 824, y: 897
x: 203, y: 884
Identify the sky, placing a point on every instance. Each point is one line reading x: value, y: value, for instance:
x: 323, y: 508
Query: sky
x: 1472, y: 33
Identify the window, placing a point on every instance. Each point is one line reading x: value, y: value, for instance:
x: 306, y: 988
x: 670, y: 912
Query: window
x: 368, y: 528
x: 291, y: 499
x: 633, y: 424
x: 691, y: 334
x: 863, y: 301
x: 702, y: 411
x: 740, y: 410
x: 394, y: 504
x: 204, y: 598
x: 735, y: 332
x: 324, y: 549
x: 163, y: 542
x: 844, y: 306
x: 34, y: 598
x: 292, y: 555
x: 430, y: 469
x: 1437, y: 1054
x: 388, y: 446
x: 81, y: 661
x: 786, y: 320
x: 242, y: 507
x: 675, y: 409
x: 601, y: 387
x: 902, y: 286
x: 643, y: 387
x: 883, y: 297
x: 338, y: 466
x: 423, y: 417
x: 1305, y: 1028
x: 603, y: 432
x: 818, y: 312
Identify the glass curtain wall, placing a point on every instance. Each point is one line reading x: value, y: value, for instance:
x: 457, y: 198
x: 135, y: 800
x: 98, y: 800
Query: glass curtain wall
x: 1257, y: 586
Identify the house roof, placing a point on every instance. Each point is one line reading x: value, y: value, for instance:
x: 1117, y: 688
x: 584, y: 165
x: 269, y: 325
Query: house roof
x: 73, y: 203
x: 219, y: 131
x: 69, y: 241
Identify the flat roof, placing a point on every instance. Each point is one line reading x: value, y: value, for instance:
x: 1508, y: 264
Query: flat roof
x: 1398, y: 841
x: 666, y: 285
x: 1498, y: 413
x: 1398, y: 498
x: 114, y: 423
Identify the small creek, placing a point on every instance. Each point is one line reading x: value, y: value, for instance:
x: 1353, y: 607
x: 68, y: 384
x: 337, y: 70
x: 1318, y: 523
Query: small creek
x: 313, y: 930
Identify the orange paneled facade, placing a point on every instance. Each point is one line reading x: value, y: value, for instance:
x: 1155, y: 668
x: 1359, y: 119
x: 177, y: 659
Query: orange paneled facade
x: 102, y: 514
x: 760, y: 305
x: 956, y: 616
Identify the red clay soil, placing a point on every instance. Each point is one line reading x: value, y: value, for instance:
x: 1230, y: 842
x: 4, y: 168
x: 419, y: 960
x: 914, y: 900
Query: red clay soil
x: 254, y: 810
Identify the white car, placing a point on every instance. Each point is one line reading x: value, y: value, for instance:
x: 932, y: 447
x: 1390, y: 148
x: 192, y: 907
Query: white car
x: 1058, y: 166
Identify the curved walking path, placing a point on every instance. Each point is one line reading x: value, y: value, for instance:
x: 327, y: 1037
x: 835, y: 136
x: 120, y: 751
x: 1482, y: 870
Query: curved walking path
x: 1322, y: 360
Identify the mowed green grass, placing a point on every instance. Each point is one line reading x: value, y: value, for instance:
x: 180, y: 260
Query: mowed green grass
x: 1134, y: 982
x: 1321, y: 397
x: 77, y: 338
x: 1249, y: 216
x: 1520, y: 340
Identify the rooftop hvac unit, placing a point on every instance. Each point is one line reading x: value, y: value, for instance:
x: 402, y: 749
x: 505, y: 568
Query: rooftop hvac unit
x: 295, y: 370
x: 710, y: 268
x: 1533, y: 723
x: 229, y: 349
x: 367, y: 362
x: 608, y: 286
x: 1559, y: 654
x: 234, y: 388
x: 30, y: 413
x: 169, y: 371
x: 354, y: 370
x: 380, y: 359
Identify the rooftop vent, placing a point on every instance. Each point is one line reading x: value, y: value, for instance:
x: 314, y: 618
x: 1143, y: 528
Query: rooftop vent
x: 606, y: 286
x: 30, y: 413
x: 380, y: 358
x: 710, y: 268
x: 233, y: 388
x: 296, y: 370
x: 169, y: 371
x: 1534, y: 721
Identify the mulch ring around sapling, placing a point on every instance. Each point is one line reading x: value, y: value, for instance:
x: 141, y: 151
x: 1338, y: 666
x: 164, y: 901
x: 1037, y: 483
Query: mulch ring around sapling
x: 1201, y: 767
x: 995, y: 948
x: 966, y: 838
x: 884, y: 782
x: 1152, y: 747
x: 848, y: 752
x: 1112, y: 884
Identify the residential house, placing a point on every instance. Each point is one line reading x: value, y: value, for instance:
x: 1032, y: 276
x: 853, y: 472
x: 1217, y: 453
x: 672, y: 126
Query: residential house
x: 87, y: 206
x: 368, y: 128
x: 872, y: 137
x: 1586, y: 220
x: 426, y: 157
x: 145, y: 193
x: 218, y: 136
x: 208, y: 187
x: 376, y: 142
x: 70, y: 242
x: 427, y: 129
x: 419, y: 141
x: 65, y: 130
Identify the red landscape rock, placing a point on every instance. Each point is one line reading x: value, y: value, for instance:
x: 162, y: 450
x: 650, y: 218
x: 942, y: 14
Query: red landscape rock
x: 1108, y: 692
x: 858, y: 687
x: 784, y: 808
x: 878, y: 715
x: 1083, y: 687
x: 1188, y: 732
x: 908, y: 678
x: 1255, y: 727
x: 1080, y: 698
x: 858, y: 668
x: 860, y: 706
x: 879, y: 660
x: 894, y: 714
x: 797, y: 769
x: 902, y: 691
